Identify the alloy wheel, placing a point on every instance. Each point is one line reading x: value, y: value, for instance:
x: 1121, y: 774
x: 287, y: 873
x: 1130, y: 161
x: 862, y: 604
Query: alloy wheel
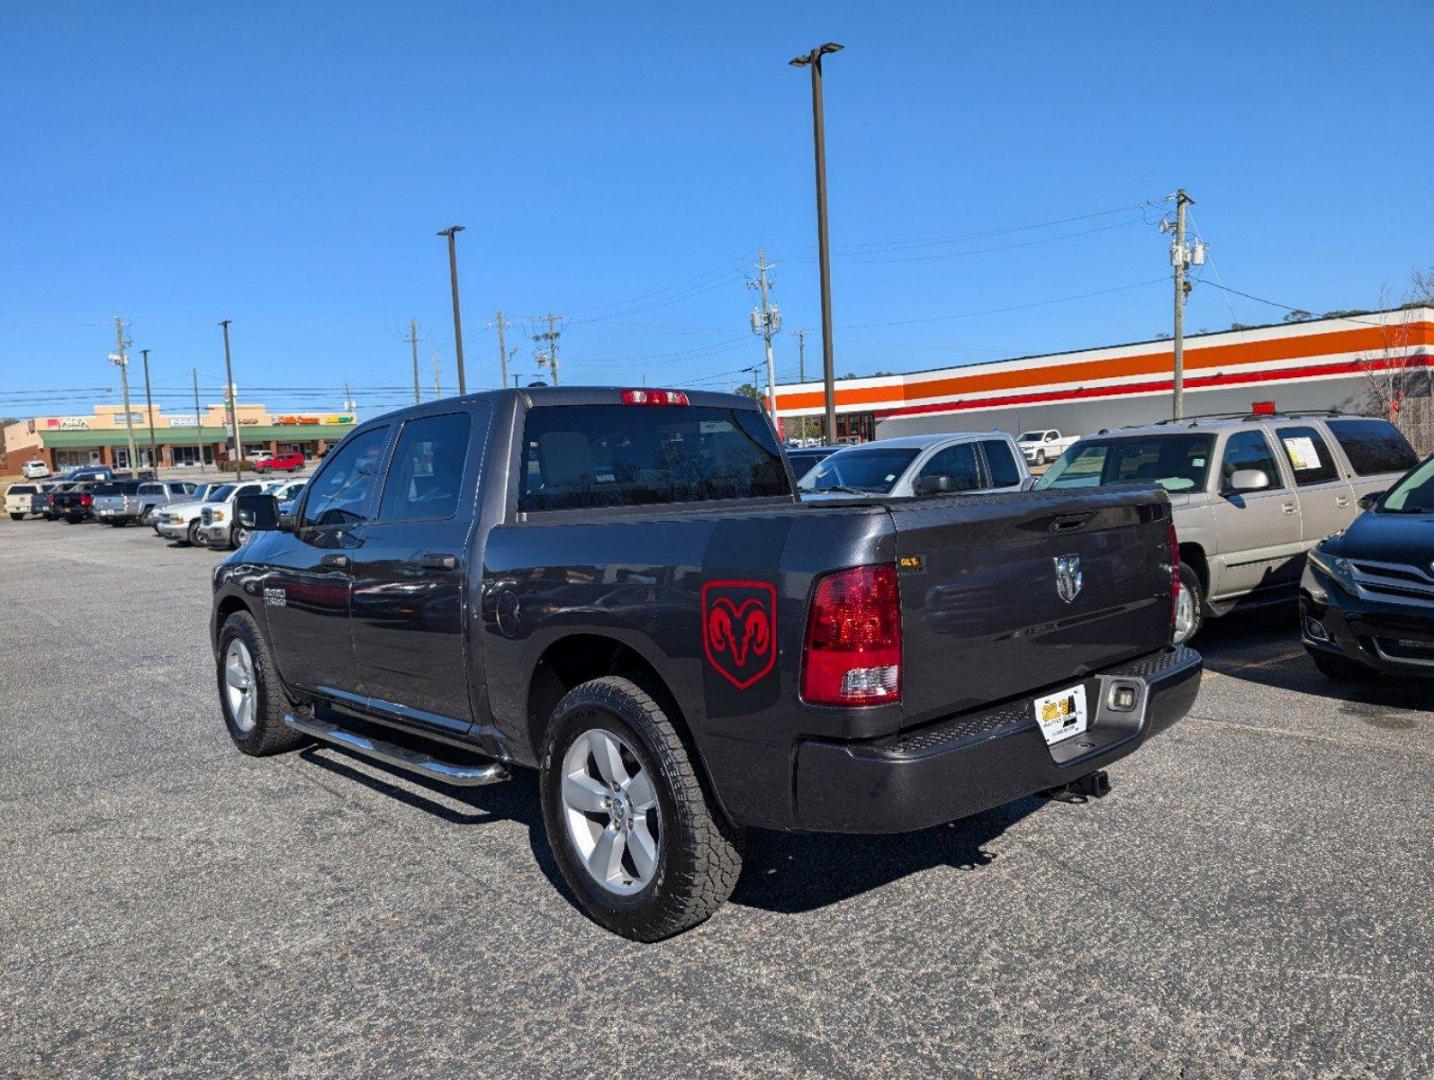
x: 239, y: 689
x: 611, y: 811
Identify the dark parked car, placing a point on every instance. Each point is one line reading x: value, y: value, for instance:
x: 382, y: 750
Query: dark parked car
x: 621, y: 588
x: 76, y: 503
x: 1367, y: 597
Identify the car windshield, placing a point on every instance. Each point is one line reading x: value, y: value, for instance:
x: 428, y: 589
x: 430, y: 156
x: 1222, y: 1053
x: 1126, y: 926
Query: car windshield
x: 219, y: 494
x: 1177, y: 462
x: 874, y: 469
x: 1412, y: 495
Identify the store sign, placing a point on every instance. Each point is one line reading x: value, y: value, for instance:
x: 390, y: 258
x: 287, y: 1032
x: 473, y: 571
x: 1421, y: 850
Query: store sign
x: 338, y: 419
x: 243, y: 420
x: 67, y: 423
x: 301, y: 418
x: 134, y: 418
x: 182, y: 421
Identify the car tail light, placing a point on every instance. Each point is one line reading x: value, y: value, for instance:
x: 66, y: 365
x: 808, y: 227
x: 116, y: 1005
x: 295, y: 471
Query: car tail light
x: 1174, y: 543
x: 86, y: 500
x: 654, y: 397
x: 853, y: 645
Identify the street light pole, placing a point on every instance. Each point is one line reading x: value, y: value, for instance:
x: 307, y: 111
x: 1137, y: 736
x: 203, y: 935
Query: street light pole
x: 814, y: 60
x: 233, y: 412
x: 451, y: 232
x: 149, y: 407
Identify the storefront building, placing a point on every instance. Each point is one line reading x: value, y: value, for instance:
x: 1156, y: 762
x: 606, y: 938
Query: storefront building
x: 1356, y: 363
x: 102, y: 437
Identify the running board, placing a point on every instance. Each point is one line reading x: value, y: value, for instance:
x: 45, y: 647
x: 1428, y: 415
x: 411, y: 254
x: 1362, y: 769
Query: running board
x: 400, y: 757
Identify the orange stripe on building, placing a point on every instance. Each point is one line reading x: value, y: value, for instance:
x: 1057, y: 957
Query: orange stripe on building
x: 1197, y: 358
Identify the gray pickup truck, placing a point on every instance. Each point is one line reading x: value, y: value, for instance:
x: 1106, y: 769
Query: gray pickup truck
x: 119, y: 502
x: 621, y: 589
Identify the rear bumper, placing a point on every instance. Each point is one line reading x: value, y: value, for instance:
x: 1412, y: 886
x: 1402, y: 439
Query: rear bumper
x: 971, y: 763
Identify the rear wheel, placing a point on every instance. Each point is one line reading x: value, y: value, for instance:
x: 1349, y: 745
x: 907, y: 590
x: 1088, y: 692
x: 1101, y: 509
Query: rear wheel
x: 636, y: 837
x: 1189, y: 605
x: 253, y: 700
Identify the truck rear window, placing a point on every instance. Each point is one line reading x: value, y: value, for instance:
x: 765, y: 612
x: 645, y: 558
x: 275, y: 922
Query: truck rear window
x: 635, y: 455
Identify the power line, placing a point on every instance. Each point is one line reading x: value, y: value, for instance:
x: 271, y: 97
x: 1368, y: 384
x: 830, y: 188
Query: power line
x: 1013, y: 307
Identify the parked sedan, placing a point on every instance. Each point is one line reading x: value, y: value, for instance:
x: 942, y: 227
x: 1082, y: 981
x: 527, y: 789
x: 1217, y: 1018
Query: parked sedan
x: 1367, y: 596
x: 919, y: 465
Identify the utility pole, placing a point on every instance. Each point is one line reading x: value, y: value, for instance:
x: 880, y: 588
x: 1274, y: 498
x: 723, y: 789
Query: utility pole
x: 502, y: 351
x: 1180, y: 257
x: 802, y: 376
x: 121, y: 361
x: 813, y: 60
x: 451, y: 232
x: 198, y: 421
x: 766, y: 320
x: 233, y: 412
x: 149, y: 408
x: 413, y: 340
x: 549, y: 358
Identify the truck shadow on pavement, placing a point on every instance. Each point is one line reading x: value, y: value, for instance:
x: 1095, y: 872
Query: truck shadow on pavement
x: 786, y: 873
x: 1262, y: 646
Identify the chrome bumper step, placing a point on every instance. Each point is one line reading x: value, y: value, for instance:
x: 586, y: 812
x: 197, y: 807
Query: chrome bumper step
x: 492, y: 772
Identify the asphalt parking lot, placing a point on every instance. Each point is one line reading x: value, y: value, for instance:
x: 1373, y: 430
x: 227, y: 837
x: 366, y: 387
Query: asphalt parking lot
x: 1252, y: 898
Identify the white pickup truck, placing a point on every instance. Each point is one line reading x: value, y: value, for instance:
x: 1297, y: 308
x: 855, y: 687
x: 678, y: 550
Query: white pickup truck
x: 1044, y: 445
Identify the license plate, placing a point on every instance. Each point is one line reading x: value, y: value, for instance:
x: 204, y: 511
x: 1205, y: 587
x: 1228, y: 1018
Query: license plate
x: 1062, y: 714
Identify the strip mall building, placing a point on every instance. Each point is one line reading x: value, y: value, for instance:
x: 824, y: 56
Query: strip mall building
x: 101, y: 437
x: 1319, y: 364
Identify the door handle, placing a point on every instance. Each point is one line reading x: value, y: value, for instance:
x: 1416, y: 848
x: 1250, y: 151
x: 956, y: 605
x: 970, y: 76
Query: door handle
x: 337, y: 562
x: 437, y: 560
x: 1342, y: 501
x: 1289, y: 508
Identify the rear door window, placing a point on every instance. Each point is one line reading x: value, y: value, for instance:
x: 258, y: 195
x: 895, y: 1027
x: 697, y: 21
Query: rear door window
x: 1004, y: 472
x: 583, y: 456
x: 425, y: 479
x: 1309, y: 457
x: 959, y: 463
x: 1373, y: 446
x: 1249, y: 450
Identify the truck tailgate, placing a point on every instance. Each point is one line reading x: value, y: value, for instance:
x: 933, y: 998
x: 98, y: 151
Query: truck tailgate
x: 985, y: 614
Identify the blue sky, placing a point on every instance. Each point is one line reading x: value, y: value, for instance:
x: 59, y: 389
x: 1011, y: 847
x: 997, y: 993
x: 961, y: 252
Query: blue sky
x: 286, y: 166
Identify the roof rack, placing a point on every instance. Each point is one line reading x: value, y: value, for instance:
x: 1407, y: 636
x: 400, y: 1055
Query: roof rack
x: 1247, y: 414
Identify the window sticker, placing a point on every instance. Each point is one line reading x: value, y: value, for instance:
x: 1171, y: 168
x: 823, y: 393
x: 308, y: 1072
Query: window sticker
x: 1302, y: 452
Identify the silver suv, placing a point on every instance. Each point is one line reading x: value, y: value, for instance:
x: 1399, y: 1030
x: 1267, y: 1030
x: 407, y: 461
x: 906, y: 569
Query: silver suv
x: 1251, y: 494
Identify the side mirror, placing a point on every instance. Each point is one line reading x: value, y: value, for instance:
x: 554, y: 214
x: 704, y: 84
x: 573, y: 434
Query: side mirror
x: 257, y: 512
x: 1370, y: 501
x: 1249, y: 480
x: 1029, y: 483
x: 938, y: 484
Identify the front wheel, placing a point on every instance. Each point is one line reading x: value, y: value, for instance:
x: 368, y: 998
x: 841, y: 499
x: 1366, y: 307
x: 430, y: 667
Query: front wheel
x: 239, y: 537
x: 1040, y: 457
x: 249, y: 690
x: 637, y: 838
x: 1189, y: 606
x: 192, y: 534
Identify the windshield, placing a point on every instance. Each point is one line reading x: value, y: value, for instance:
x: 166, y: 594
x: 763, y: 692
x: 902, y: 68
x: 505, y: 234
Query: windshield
x: 1175, y: 462
x: 1032, y: 436
x: 874, y: 469
x: 1412, y: 495
x: 219, y: 494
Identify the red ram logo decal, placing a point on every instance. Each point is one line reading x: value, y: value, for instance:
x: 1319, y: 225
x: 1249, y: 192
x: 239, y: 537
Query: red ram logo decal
x: 739, y: 629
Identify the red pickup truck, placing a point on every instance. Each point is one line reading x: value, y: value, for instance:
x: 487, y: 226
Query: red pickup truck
x: 291, y: 462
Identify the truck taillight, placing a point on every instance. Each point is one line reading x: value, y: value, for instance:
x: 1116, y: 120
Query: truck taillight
x: 654, y: 397
x: 1174, y: 543
x: 853, y: 644
x: 86, y: 500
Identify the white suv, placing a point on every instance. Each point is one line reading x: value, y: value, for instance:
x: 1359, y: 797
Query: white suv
x: 34, y: 469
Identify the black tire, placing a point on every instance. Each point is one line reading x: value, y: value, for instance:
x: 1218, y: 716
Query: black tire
x: 1040, y: 457
x: 269, y: 734
x: 699, y: 853
x: 17, y: 517
x: 118, y: 524
x: 238, y: 537
x: 1338, y: 668
x: 191, y: 535
x: 70, y: 519
x: 1190, y: 584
